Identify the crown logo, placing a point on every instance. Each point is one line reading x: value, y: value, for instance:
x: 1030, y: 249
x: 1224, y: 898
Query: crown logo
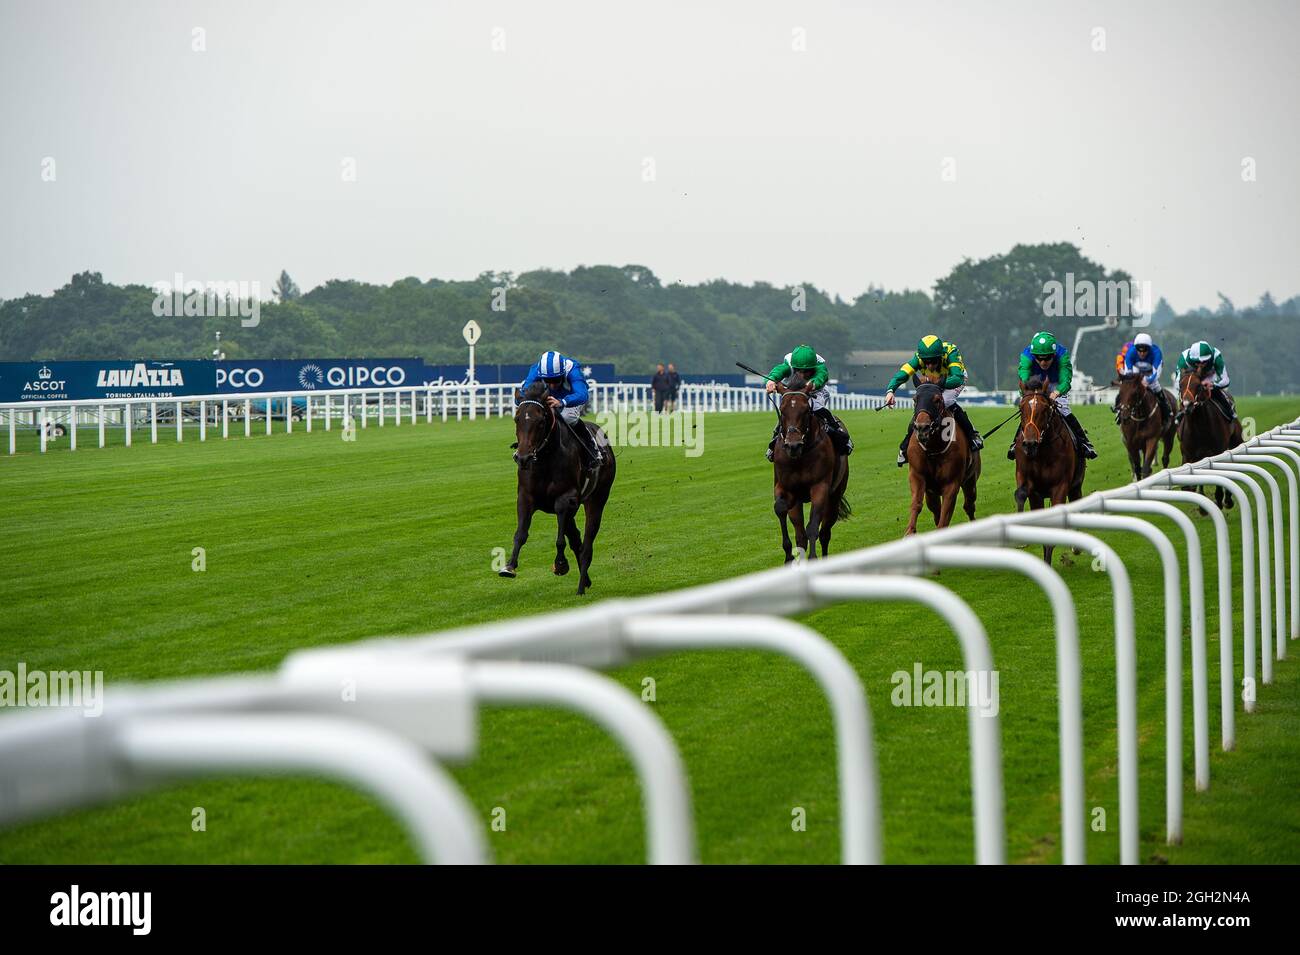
x: 45, y: 374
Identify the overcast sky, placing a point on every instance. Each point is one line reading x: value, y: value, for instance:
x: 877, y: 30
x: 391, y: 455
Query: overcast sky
x: 824, y: 165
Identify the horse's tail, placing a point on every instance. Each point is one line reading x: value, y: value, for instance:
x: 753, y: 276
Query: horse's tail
x: 845, y: 511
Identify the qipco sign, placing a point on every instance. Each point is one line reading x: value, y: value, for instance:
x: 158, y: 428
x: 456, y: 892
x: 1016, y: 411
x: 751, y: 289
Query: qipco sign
x: 317, y: 374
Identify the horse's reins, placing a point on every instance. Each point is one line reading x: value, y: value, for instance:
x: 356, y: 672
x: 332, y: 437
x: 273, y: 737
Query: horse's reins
x: 796, y: 394
x: 1132, y: 416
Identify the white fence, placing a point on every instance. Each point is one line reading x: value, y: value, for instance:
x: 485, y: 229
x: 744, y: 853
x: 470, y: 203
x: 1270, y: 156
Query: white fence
x: 417, y: 697
x: 326, y: 408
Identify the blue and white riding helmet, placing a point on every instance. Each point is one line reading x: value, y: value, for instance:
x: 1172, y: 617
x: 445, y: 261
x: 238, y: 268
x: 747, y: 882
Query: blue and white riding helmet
x: 553, y: 365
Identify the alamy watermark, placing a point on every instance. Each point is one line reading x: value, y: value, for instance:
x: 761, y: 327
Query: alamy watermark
x: 83, y: 689
x: 921, y: 687
x: 648, y: 429
x: 1087, y: 298
x: 179, y: 298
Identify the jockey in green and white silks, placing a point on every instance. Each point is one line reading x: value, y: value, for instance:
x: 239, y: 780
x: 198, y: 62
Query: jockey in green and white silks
x: 1207, y: 362
x: 941, y: 362
x: 812, y: 366
x: 1046, y: 361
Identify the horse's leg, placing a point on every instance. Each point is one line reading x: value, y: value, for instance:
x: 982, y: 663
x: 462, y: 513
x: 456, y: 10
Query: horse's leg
x: 821, y: 494
x: 593, y: 508
x: 918, y: 495
x: 1134, y: 458
x: 948, y: 501
x: 564, y: 517
x: 523, y: 518
x: 800, y: 533
x: 1036, y: 504
x: 782, y: 509
x: 1169, y: 446
x: 933, y: 503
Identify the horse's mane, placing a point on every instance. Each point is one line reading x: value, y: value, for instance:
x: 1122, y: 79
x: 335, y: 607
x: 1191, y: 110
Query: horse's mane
x: 1034, y: 384
x: 537, y: 391
x: 797, y: 381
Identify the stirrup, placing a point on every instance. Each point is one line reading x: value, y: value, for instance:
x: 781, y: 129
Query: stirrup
x: 902, y: 458
x: 768, y: 453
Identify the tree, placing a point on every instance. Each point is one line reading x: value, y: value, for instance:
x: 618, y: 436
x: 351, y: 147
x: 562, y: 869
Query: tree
x: 286, y: 290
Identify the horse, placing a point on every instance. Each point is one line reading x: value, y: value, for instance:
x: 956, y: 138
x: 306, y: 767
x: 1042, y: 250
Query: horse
x: 555, y: 476
x: 806, y: 469
x: 1205, y: 428
x: 939, y: 459
x: 1143, y: 424
x: 1047, y: 464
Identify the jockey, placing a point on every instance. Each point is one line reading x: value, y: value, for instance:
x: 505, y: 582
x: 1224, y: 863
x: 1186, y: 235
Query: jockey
x: 566, y: 391
x: 813, y: 367
x: 1143, y: 357
x: 1046, y: 361
x: 1207, y: 362
x: 941, y: 362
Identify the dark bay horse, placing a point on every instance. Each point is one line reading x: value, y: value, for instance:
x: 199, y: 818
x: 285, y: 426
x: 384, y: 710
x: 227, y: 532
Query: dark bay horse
x: 939, y: 459
x: 555, y: 476
x: 806, y: 470
x: 1047, y: 465
x: 1205, y: 428
x: 1143, y: 424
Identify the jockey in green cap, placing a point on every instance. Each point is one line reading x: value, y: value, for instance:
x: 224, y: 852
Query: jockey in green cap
x: 812, y: 366
x: 1048, y: 362
x: 1206, y: 362
x: 940, y: 362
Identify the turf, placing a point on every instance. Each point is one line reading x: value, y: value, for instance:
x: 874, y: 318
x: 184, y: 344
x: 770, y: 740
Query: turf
x: 311, y: 541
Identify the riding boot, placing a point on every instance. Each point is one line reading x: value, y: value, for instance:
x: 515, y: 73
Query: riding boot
x: 1080, y: 437
x: 1011, y: 451
x: 838, y: 433
x: 587, y: 438
x: 771, y: 445
x: 902, y: 448
x: 1225, y: 401
x: 968, y: 429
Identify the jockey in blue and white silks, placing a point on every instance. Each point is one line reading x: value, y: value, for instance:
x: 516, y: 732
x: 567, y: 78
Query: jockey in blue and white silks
x: 566, y: 390
x: 1143, y: 358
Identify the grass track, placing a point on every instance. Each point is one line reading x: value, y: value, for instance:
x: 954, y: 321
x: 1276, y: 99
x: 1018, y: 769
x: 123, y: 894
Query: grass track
x: 313, y: 541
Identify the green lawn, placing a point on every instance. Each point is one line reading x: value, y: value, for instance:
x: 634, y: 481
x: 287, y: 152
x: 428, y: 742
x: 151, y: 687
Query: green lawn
x: 311, y: 541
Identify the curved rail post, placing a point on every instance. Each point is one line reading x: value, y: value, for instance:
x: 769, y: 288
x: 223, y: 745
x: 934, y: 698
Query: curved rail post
x: 859, y: 783
x: 1196, y: 609
x: 1069, y: 672
x: 1263, y: 456
x: 1273, y: 445
x: 985, y: 736
x: 1239, y: 494
x: 1243, y: 472
x: 1173, y: 654
x: 394, y: 771
x: 670, y: 830
x: 1223, y: 545
x: 1125, y: 668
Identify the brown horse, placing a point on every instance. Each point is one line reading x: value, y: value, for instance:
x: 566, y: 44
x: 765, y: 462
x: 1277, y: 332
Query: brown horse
x: 1205, y: 428
x: 1143, y: 424
x: 940, y: 460
x: 1047, y: 465
x: 806, y: 470
x: 555, y: 476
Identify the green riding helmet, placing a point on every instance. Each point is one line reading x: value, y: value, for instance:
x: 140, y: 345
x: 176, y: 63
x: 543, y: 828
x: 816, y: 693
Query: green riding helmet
x: 803, y: 358
x: 1043, y: 343
x: 929, y: 348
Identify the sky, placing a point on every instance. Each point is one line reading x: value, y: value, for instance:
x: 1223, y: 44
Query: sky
x: 836, y: 144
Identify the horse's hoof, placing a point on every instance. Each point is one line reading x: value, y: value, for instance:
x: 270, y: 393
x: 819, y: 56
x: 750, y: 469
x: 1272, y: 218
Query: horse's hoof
x: 508, y: 572
x: 559, y: 570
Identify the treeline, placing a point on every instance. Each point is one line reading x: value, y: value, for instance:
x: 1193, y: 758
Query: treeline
x: 626, y: 315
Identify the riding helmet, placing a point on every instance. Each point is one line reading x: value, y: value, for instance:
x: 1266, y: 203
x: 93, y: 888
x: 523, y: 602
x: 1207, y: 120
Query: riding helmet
x: 803, y: 357
x: 1044, y: 343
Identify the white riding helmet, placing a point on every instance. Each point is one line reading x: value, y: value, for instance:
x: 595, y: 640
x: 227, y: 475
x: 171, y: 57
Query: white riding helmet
x: 1143, y: 339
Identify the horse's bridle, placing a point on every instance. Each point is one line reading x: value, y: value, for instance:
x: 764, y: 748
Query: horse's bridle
x: 1141, y: 403
x: 1027, y: 421
x: 1193, y: 397
x: 532, y: 455
x: 923, y: 432
x: 796, y: 394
